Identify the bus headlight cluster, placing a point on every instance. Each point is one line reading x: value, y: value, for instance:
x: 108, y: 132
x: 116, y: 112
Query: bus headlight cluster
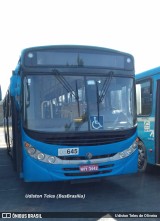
x: 36, y: 154
x: 128, y: 151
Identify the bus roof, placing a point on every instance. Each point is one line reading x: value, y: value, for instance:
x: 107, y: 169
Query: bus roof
x: 148, y: 73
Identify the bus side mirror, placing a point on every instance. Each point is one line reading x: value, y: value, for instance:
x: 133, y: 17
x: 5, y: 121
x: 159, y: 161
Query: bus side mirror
x: 15, y: 85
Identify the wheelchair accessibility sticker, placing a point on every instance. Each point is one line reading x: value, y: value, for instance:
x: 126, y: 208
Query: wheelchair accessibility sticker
x: 96, y: 122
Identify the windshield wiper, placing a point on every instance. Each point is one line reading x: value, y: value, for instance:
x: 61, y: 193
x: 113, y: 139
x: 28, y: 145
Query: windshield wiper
x: 105, y: 87
x: 67, y: 86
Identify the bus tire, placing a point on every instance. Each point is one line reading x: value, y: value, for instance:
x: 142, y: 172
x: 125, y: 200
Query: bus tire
x: 142, y: 157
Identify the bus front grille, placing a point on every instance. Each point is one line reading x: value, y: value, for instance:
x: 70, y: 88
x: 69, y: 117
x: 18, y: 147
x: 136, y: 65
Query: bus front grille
x: 88, y: 174
x: 84, y: 157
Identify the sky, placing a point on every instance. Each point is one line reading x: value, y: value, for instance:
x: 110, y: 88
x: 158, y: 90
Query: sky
x: 130, y: 26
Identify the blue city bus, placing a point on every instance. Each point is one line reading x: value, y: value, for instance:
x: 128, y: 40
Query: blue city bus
x: 70, y: 114
x: 148, y: 116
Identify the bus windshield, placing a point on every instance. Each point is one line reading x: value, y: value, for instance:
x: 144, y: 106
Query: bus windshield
x: 73, y: 103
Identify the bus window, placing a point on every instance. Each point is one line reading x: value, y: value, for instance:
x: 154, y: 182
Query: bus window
x: 144, y: 97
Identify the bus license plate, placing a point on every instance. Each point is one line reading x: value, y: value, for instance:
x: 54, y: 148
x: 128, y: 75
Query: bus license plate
x: 68, y: 151
x: 88, y: 168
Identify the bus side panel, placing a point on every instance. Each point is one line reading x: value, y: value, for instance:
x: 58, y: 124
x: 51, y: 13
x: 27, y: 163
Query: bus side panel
x: 146, y: 134
x: 157, y: 124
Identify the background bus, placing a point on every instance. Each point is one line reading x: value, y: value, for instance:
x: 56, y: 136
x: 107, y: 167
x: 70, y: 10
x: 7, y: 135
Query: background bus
x: 148, y: 112
x: 70, y: 113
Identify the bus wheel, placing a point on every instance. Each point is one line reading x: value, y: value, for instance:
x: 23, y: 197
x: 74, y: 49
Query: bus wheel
x: 142, y: 157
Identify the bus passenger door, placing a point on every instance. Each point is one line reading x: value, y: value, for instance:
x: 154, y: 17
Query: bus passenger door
x: 157, y: 124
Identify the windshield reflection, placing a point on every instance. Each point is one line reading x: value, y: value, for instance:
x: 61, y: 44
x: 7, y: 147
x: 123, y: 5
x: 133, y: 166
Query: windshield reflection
x: 57, y: 103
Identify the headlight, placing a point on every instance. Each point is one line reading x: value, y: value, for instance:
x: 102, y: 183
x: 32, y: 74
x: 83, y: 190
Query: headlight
x: 31, y: 150
x: 135, y: 145
x: 40, y: 156
x: 129, y: 151
x: 51, y: 159
x: 122, y: 154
